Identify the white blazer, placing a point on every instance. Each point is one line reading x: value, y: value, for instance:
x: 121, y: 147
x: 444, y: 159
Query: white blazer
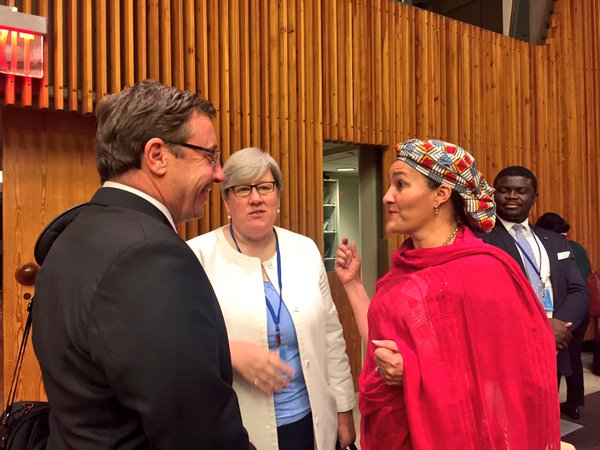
x: 238, y: 282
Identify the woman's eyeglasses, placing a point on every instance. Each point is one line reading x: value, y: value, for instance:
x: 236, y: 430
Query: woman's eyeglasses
x: 215, y: 153
x: 244, y: 190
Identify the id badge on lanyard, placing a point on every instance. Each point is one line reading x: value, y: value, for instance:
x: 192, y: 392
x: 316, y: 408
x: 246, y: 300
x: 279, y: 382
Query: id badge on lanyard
x: 547, y: 300
x: 283, y: 352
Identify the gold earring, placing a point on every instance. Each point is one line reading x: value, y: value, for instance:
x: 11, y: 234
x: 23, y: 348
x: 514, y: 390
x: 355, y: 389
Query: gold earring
x: 436, y: 210
x: 228, y: 217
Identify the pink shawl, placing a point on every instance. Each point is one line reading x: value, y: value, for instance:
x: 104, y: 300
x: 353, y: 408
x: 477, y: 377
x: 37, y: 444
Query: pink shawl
x: 479, y: 354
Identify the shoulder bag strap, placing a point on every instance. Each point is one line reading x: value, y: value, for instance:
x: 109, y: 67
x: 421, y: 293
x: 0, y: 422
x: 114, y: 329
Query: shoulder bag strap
x: 15, y: 378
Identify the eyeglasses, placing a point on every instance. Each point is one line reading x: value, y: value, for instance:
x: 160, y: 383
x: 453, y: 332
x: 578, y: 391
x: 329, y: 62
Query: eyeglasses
x: 215, y: 153
x: 244, y: 190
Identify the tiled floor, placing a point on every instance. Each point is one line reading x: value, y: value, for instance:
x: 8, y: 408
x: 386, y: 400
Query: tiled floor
x: 591, y: 384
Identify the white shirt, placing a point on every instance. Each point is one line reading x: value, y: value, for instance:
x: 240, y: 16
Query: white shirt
x: 539, y: 252
x: 163, y: 209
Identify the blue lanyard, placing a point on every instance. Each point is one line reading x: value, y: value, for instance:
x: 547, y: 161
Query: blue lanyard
x: 276, y: 317
x: 532, y: 263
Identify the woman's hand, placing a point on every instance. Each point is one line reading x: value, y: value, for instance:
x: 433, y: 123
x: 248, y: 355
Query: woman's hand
x: 260, y: 367
x: 346, y: 430
x: 347, y: 262
x: 390, y: 363
x: 347, y: 267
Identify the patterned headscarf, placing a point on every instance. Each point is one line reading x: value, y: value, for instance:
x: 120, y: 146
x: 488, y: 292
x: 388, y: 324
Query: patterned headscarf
x: 453, y: 166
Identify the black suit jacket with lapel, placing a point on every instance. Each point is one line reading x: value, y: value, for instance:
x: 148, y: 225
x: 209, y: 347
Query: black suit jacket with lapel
x: 130, y: 337
x: 569, y: 293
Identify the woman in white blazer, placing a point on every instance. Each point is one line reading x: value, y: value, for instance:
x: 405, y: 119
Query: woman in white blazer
x: 291, y: 371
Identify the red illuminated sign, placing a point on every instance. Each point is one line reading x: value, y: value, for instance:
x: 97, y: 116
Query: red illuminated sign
x: 21, y: 53
x: 21, y: 43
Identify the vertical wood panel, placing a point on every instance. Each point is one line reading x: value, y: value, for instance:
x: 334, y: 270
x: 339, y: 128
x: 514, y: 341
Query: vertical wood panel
x: 287, y: 213
x: 101, y: 50
x: 43, y: 100
x: 253, y: 104
x: 127, y: 44
x: 202, y: 59
x: 87, y: 56
x: 153, y: 40
x: 165, y: 63
x: 235, y: 81
x: 224, y: 92
x: 114, y: 16
x: 58, y: 55
x: 26, y: 85
x: 304, y: 199
x: 314, y: 161
x: 214, y: 76
x: 291, y: 118
x: 141, y: 56
x: 177, y: 43
x: 357, y: 64
x: 332, y: 72
x: 189, y: 47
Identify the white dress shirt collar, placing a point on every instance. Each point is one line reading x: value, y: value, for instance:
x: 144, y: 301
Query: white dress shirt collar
x: 159, y: 205
x: 509, y: 225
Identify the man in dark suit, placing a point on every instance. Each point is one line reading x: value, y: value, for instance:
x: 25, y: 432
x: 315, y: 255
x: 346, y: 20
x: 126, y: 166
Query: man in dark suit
x: 546, y: 258
x: 128, y: 332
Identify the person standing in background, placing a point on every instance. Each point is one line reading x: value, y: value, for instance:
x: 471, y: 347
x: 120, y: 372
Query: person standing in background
x: 575, y: 388
x: 547, y: 260
x: 553, y: 222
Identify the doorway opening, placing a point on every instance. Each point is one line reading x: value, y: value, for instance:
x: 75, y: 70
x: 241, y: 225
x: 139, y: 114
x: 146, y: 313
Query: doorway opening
x: 352, y: 209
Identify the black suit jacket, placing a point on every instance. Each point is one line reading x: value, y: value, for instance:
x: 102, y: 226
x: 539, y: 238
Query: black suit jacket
x: 569, y: 293
x: 130, y: 337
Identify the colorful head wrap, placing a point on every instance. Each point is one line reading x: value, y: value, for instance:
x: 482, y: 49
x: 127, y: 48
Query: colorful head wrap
x: 453, y: 166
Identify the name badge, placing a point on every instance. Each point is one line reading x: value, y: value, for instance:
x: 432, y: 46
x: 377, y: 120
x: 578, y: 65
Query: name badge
x: 283, y: 352
x: 546, y: 300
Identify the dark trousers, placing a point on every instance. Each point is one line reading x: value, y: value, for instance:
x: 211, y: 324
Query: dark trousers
x: 575, y: 388
x: 298, y: 435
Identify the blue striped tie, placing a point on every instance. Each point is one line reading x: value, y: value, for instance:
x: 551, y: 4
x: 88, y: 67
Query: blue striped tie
x: 534, y: 277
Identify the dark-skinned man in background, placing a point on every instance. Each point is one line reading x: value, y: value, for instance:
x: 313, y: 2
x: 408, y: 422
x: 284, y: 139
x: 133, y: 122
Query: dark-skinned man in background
x: 546, y: 258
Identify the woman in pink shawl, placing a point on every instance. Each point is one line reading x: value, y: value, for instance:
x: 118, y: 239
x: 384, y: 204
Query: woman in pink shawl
x: 478, y: 354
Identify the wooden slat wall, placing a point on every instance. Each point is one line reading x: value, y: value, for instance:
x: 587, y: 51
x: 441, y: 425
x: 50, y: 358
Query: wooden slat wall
x: 418, y: 74
x: 287, y: 74
x: 250, y: 57
x: 389, y: 72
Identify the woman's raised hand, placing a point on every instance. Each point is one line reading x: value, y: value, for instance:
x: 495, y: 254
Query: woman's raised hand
x: 347, y: 262
x: 260, y: 367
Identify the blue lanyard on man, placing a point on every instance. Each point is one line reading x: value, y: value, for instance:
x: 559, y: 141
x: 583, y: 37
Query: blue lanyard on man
x: 543, y: 292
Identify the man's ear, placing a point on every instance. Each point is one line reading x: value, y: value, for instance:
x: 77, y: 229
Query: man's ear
x: 155, y: 156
